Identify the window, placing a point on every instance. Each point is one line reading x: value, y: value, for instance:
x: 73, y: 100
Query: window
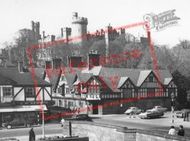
x: 151, y: 78
x: 188, y: 97
x: 150, y: 92
x: 62, y: 78
x: 60, y: 103
x: 67, y: 90
x: 7, y: 91
x: 29, y: 92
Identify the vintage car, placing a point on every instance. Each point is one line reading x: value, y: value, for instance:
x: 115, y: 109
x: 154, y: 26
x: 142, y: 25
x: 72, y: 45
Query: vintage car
x: 151, y: 114
x: 80, y: 117
x: 133, y: 110
x: 20, y: 123
x: 160, y: 108
x: 181, y: 114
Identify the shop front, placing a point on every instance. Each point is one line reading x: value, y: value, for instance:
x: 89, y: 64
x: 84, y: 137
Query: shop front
x: 26, y: 115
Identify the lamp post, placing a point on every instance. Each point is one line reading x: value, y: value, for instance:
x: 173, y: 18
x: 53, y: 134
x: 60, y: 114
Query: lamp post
x: 43, y: 120
x: 43, y: 124
x: 172, y: 106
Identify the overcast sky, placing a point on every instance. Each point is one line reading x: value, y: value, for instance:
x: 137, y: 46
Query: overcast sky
x: 54, y: 14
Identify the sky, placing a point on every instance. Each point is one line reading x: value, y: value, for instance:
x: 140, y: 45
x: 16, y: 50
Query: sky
x: 54, y: 14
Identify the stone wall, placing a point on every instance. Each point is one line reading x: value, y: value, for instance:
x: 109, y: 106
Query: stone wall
x: 101, y: 132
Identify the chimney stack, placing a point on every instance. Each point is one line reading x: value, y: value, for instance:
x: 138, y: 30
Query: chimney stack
x: 62, y: 32
x: 93, y: 59
x: 56, y: 63
x: 74, y: 61
x: 20, y: 67
x: 52, y: 38
x: 43, y: 35
x: 48, y: 65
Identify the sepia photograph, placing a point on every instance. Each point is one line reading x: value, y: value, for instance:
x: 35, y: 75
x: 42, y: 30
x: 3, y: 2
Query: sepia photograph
x: 94, y: 70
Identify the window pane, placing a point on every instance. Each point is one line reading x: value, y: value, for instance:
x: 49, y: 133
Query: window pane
x: 29, y: 92
x: 7, y: 91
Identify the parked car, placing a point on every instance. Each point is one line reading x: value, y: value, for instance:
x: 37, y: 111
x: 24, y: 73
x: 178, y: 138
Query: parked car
x: 181, y: 114
x: 151, y: 114
x: 80, y: 117
x: 160, y: 108
x: 133, y: 110
x: 19, y: 122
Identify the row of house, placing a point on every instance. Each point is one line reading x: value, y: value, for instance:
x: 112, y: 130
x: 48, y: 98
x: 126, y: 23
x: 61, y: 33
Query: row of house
x: 96, y: 89
x: 92, y: 89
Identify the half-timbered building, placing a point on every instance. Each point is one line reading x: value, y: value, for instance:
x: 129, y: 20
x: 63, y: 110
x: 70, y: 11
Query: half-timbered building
x: 21, y: 95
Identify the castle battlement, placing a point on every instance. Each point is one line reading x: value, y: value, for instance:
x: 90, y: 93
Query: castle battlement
x: 79, y: 20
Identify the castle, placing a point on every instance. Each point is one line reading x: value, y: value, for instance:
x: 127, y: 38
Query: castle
x: 78, y: 34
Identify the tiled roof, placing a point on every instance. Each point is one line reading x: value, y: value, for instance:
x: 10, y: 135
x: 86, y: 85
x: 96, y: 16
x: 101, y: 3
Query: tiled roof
x: 112, y: 77
x: 84, y: 77
x: 53, y: 75
x: 111, y: 84
x: 122, y: 81
x: 133, y: 74
x: 167, y: 81
x: 24, y: 78
x: 70, y: 79
x: 6, y: 81
x: 95, y: 70
x: 143, y: 75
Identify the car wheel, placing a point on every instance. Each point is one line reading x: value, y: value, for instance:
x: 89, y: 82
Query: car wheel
x: 9, y: 126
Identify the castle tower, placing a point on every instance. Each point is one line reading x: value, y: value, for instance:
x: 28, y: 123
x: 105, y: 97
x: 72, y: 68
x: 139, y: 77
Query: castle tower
x: 79, y: 28
x: 108, y: 32
x: 36, y: 30
x: 66, y: 33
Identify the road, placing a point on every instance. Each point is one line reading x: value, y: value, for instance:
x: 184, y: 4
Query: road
x: 160, y: 124
x: 49, y: 129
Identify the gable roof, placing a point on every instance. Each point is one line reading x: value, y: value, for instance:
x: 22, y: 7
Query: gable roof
x: 70, y: 79
x: 24, y: 78
x: 6, y: 81
x: 122, y: 81
x: 167, y: 81
x: 142, y: 76
x: 53, y: 75
x: 110, y: 76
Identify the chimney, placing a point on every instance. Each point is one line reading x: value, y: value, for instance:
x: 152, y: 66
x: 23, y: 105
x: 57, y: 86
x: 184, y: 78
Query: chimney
x: 20, y: 67
x: 38, y: 30
x: 74, y: 61
x: 43, y: 34
x: 56, y: 63
x: 108, y: 35
x: 52, y: 38
x: 62, y: 32
x: 93, y: 59
x: 33, y: 26
x: 48, y: 65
